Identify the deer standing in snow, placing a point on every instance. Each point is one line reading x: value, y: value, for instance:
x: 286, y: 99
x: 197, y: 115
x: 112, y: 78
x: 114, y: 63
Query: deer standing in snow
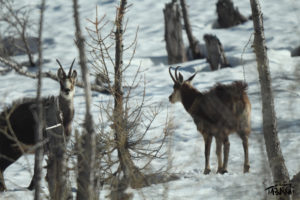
x: 217, y: 113
x: 17, y: 123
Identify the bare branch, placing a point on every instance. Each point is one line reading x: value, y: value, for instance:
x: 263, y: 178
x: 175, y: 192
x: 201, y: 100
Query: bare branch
x: 18, y: 68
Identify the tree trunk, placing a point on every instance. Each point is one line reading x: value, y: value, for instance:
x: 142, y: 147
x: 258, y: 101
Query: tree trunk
x: 296, y: 184
x: 215, y: 53
x: 194, y: 44
x: 85, y: 180
x: 173, y: 34
x: 3, y: 53
x: 39, y: 117
x: 130, y: 172
x: 228, y: 16
x: 275, y: 157
x: 295, y: 52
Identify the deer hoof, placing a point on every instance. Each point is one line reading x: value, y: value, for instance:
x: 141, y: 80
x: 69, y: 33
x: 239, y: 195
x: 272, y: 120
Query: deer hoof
x: 2, y: 188
x: 222, y: 171
x: 246, y: 168
x: 206, y: 171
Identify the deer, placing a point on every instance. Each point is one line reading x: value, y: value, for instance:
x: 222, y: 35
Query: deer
x: 17, y: 122
x: 222, y: 110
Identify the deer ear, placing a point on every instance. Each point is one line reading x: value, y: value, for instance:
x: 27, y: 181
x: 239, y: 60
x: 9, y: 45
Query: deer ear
x: 191, y: 78
x: 180, y: 78
x: 61, y: 74
x: 74, y: 74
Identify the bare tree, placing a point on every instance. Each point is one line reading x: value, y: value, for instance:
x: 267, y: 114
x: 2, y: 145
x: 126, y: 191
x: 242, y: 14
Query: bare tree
x: 130, y: 121
x: 39, y: 118
x: 86, y: 158
x: 194, y: 44
x: 132, y: 174
x: 276, y: 160
x: 18, y: 22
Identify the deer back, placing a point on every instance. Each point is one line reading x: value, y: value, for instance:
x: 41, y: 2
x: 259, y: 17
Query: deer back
x: 221, y: 107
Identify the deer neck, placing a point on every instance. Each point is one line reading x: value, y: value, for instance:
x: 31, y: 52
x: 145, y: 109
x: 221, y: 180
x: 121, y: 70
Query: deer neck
x: 188, y: 96
x: 66, y: 107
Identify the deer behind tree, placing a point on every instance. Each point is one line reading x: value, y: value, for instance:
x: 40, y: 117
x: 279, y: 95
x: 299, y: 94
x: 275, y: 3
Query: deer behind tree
x: 217, y: 113
x: 17, y: 123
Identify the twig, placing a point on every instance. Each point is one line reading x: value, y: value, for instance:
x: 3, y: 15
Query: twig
x: 18, y: 68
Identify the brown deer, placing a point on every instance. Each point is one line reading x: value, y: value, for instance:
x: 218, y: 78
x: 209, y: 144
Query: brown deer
x: 17, y: 123
x: 222, y: 110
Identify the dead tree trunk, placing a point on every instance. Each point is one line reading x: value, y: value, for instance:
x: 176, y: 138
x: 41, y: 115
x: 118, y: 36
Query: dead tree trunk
x: 215, y: 53
x: 296, y: 184
x: 194, y: 44
x: 39, y: 117
x: 228, y: 16
x: 275, y: 157
x: 295, y: 52
x: 86, y: 158
x: 173, y: 34
x: 57, y: 175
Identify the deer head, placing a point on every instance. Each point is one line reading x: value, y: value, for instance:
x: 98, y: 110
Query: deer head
x: 67, y: 81
x: 178, y: 85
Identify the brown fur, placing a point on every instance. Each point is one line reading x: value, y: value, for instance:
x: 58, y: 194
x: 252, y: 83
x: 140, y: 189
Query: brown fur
x: 222, y: 110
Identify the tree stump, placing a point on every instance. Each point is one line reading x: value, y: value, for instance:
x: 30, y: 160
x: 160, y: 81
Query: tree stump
x: 295, y: 52
x: 173, y: 34
x: 215, y: 53
x: 228, y: 16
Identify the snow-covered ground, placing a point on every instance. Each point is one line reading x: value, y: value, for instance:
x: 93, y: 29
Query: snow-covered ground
x: 282, y: 30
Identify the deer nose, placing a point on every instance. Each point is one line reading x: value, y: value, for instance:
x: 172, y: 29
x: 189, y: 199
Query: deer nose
x: 170, y: 97
x: 67, y: 91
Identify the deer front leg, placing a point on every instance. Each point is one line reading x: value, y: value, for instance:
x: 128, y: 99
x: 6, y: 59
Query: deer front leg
x: 3, y: 165
x: 219, y: 154
x: 32, y: 183
x: 226, y: 154
x: 207, y: 140
x: 246, y: 162
x: 2, y: 183
x: 244, y: 137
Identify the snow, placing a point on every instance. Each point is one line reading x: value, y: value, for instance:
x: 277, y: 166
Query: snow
x: 281, y: 21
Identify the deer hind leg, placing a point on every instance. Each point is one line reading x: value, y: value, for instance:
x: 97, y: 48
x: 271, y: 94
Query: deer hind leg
x: 2, y: 183
x: 32, y: 183
x: 207, y: 140
x: 3, y: 165
x: 219, y: 154
x: 226, y: 154
x: 244, y: 138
